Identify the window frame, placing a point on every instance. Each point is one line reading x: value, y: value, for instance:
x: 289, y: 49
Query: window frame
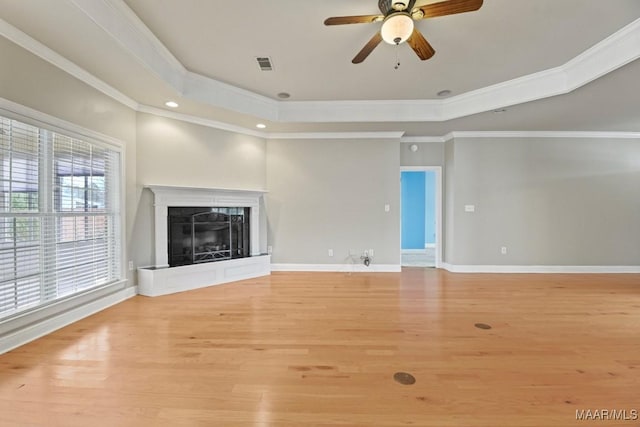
x: 80, y: 301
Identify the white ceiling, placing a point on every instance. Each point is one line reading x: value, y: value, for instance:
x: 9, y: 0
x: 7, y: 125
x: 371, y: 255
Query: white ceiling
x: 144, y: 49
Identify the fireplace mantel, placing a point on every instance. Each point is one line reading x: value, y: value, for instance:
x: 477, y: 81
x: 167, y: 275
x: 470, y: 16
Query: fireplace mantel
x: 165, y: 196
x: 162, y: 279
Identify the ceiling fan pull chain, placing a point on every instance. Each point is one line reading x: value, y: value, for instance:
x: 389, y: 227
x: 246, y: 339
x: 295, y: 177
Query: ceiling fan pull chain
x: 397, y: 57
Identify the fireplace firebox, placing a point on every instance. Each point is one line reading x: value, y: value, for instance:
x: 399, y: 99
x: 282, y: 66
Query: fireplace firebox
x: 205, y: 234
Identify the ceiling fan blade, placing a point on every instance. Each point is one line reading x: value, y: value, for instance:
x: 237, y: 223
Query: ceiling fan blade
x: 420, y: 45
x: 450, y: 7
x: 368, y: 48
x: 362, y: 19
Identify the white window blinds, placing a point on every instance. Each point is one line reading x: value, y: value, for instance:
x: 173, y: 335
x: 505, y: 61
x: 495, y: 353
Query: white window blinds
x: 59, y: 216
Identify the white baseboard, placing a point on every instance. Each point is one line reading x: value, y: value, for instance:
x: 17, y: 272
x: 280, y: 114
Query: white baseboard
x: 34, y: 331
x: 609, y: 269
x: 340, y: 268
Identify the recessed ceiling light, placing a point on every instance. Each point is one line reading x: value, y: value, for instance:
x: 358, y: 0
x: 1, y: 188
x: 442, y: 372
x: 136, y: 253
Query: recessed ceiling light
x: 171, y: 104
x: 500, y: 110
x: 261, y: 126
x: 445, y: 92
x: 284, y: 95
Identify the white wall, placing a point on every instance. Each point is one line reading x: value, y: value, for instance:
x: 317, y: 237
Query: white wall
x: 330, y: 194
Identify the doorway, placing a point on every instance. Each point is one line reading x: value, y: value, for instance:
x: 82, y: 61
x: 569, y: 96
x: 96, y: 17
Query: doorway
x: 420, y: 216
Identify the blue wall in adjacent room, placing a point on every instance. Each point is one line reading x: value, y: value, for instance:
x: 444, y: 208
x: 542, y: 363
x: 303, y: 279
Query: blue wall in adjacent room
x: 413, y: 210
x: 418, y: 209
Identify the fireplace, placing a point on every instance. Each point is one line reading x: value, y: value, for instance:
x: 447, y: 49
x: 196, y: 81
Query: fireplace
x: 204, y: 234
x: 195, y: 226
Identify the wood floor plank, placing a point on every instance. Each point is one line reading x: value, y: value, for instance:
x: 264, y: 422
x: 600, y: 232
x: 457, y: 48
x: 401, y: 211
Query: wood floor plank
x: 321, y: 349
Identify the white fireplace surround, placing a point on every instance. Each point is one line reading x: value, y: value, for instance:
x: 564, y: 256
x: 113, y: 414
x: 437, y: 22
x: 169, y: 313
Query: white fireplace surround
x: 166, y: 196
x: 161, y: 280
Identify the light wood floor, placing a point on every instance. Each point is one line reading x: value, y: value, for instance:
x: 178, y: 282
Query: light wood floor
x: 321, y: 349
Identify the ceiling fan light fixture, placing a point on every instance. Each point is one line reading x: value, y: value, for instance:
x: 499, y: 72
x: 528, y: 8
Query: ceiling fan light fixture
x: 397, y: 28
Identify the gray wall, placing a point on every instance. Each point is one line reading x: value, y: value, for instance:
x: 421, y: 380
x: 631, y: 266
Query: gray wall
x: 172, y: 152
x: 549, y: 201
x: 176, y: 153
x: 32, y: 82
x: 330, y: 194
x: 449, y: 201
x: 428, y: 154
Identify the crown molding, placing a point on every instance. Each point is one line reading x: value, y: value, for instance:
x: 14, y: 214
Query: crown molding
x: 115, y: 17
x: 542, y: 134
x: 396, y: 135
x: 427, y: 110
x: 122, y: 24
x: 27, y: 42
x: 336, y: 135
x: 422, y: 139
x: 613, y: 52
x: 29, y: 115
x: 201, y: 121
x: 390, y: 135
x: 212, y: 92
x: 519, y: 134
x: 205, y: 89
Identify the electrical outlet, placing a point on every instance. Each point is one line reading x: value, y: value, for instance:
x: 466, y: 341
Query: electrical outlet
x: 269, y: 250
x: 370, y: 252
x: 503, y: 250
x: 130, y: 265
x: 330, y: 252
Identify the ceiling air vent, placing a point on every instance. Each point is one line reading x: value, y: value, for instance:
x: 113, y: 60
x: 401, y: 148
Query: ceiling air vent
x: 265, y: 63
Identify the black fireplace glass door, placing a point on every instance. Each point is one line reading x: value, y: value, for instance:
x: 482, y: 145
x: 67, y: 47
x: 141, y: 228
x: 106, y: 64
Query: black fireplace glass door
x: 204, y: 234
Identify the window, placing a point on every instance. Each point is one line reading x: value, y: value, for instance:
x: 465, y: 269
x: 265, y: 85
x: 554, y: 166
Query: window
x: 59, y: 216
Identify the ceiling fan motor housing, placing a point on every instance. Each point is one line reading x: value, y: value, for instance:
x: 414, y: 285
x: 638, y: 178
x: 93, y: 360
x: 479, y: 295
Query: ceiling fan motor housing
x: 387, y: 6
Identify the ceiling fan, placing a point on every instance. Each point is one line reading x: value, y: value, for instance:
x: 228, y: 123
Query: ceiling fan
x: 397, y: 23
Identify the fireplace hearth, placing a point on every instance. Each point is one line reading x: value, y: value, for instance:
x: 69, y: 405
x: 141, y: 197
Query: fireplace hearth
x: 195, y: 226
